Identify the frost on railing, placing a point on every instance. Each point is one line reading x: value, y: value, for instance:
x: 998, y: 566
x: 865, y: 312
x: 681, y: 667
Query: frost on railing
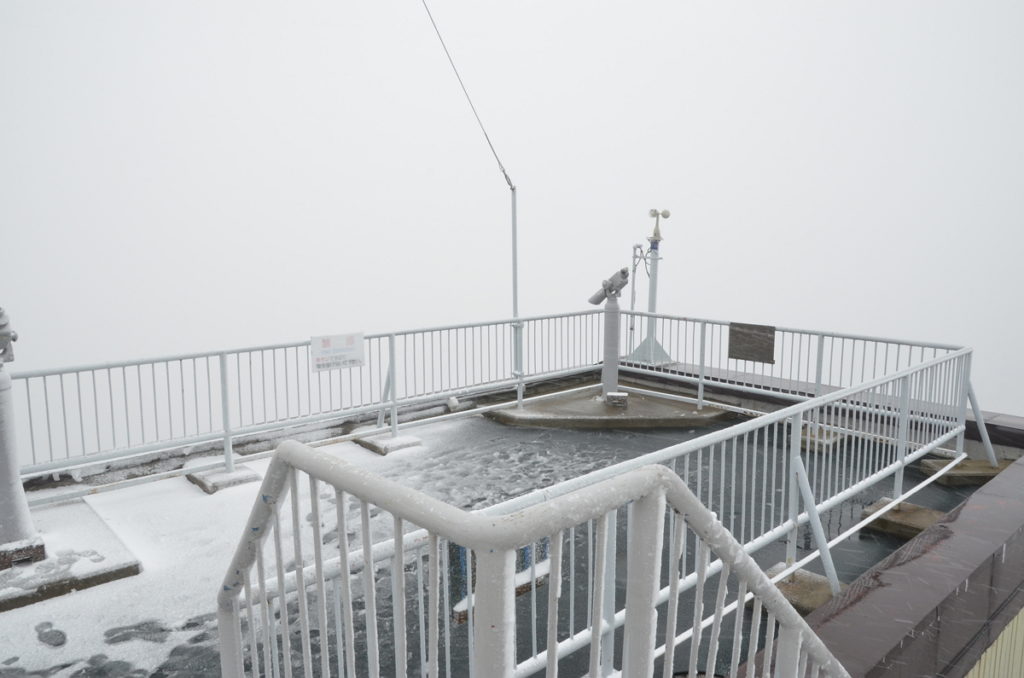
x: 344, y: 573
x: 765, y: 477
x: 77, y: 416
x: 98, y: 412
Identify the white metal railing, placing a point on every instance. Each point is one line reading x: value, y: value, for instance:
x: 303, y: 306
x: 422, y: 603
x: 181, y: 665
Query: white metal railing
x: 755, y: 474
x: 75, y: 417
x: 340, y: 628
x: 805, y: 363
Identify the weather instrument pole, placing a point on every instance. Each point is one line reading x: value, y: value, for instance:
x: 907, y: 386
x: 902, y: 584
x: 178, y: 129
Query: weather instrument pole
x: 517, y: 326
x: 654, y: 257
x: 650, y: 351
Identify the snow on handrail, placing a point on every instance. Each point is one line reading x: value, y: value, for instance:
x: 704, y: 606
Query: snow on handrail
x: 489, y: 534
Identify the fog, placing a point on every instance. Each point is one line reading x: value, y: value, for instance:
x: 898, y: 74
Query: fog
x: 185, y: 176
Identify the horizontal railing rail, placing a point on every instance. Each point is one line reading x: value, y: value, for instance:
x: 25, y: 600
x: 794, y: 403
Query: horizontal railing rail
x: 84, y: 418
x: 786, y: 462
x: 107, y: 411
x: 793, y: 363
x: 885, y: 424
x: 261, y: 638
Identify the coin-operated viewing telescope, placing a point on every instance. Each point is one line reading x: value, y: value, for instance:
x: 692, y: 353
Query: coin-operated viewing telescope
x: 611, y: 287
x: 609, y: 292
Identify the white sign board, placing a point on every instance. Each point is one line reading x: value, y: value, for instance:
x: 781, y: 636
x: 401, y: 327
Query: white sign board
x: 336, y: 351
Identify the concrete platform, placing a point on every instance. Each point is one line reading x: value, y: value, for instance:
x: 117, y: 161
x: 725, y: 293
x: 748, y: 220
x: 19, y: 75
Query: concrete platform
x: 385, y: 444
x: 218, y: 479
x: 967, y: 472
x: 819, y: 439
x: 81, y: 552
x: 906, y: 521
x: 586, y: 410
x: 806, y: 591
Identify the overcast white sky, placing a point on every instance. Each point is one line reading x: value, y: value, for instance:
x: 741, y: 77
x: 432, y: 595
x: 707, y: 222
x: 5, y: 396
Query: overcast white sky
x: 179, y: 176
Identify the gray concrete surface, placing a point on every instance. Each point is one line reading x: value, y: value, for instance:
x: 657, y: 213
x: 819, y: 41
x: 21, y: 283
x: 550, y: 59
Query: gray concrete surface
x: 218, y: 479
x: 806, y: 591
x: 905, y: 521
x: 586, y: 410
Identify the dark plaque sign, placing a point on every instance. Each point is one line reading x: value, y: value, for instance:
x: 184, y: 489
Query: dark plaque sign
x: 752, y: 342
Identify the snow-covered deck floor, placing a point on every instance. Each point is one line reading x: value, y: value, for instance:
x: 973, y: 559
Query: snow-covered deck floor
x: 161, y: 621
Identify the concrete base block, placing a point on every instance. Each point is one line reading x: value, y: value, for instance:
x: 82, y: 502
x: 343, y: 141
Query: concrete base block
x: 81, y: 552
x: 967, y: 472
x: 384, y: 445
x: 218, y: 479
x: 806, y: 591
x: 587, y: 409
x: 617, y: 399
x: 25, y: 551
x: 905, y: 521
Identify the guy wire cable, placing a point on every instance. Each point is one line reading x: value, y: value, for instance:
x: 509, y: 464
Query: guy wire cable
x: 468, y: 98
x: 518, y: 340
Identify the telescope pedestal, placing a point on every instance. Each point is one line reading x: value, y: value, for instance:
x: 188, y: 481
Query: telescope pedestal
x: 19, y: 541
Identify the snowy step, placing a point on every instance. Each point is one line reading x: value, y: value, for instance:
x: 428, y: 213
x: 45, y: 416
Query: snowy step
x: 384, y: 445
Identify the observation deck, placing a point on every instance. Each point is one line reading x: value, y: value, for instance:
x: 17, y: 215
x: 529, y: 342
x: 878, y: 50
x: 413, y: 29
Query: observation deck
x: 754, y: 458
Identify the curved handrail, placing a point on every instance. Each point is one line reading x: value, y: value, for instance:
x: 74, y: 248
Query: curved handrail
x: 501, y: 532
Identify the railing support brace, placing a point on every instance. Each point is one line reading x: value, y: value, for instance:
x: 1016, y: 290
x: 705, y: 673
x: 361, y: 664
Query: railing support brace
x: 799, y: 481
x: 816, y: 527
x: 979, y: 419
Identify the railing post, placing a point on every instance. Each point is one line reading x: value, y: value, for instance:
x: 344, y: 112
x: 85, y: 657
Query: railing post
x: 225, y: 413
x: 517, y: 366
x: 788, y: 657
x: 820, y: 364
x: 231, y: 663
x: 385, y: 396
x: 608, y: 600
x: 795, y: 429
x: 964, y: 385
x: 494, y: 647
x: 700, y: 374
x: 902, y: 434
x: 394, y: 385
x: 643, y: 578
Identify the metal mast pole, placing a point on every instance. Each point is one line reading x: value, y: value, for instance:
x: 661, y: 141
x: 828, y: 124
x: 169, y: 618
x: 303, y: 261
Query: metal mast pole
x: 517, y: 366
x: 652, y: 291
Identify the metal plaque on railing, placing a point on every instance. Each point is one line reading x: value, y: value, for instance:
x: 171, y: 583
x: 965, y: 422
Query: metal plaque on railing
x: 336, y: 352
x: 752, y: 342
